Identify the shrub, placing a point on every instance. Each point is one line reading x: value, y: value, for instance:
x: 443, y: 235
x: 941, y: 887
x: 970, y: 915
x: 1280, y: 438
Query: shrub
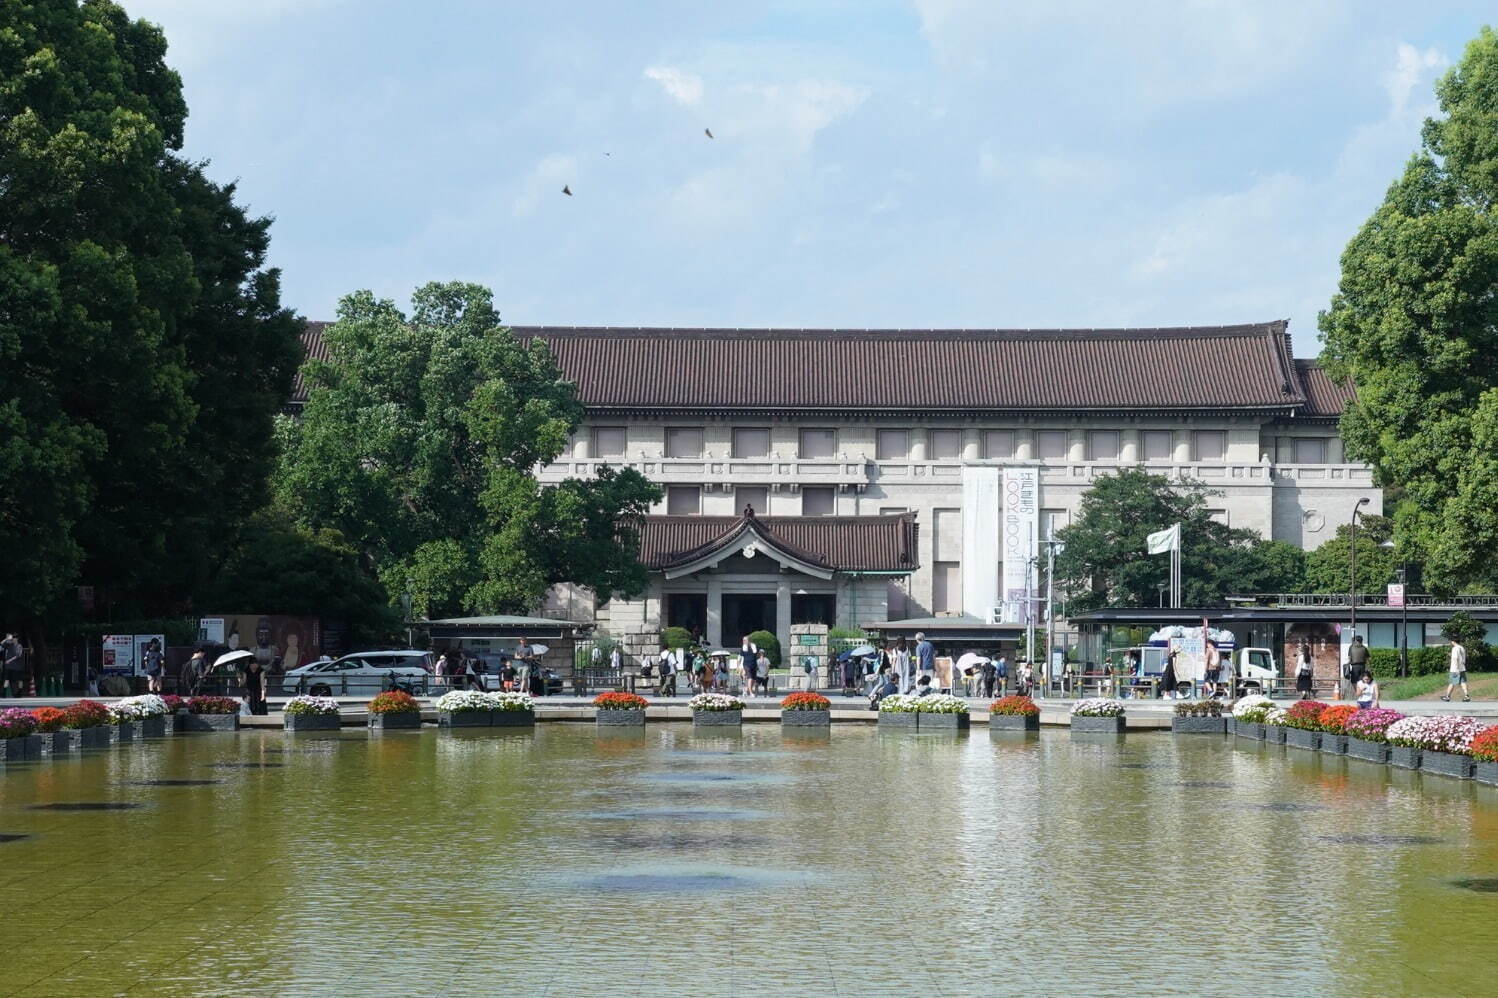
x: 1305, y: 715
x: 620, y: 701
x: 715, y: 702
x: 212, y: 705
x: 395, y: 702
x: 677, y: 637
x: 16, y: 722
x: 767, y: 643
x: 85, y: 714
x: 49, y: 718
x: 1465, y: 628
x: 1370, y: 725
x: 1097, y: 707
x: 1485, y: 745
x: 1334, y: 719
x: 806, y: 701
x: 1198, y: 708
x: 1430, y: 661
x: 304, y: 706
x: 1014, y: 706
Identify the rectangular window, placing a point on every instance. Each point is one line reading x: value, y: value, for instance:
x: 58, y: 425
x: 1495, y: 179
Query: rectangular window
x: 946, y: 586
x: 751, y: 441
x: 683, y: 500
x: 609, y: 441
x: 818, y: 443
x: 1050, y: 445
x: 892, y: 445
x: 943, y: 445
x: 1102, y: 445
x: 1310, y: 450
x: 1157, y: 445
x: 998, y: 444
x: 818, y: 501
x: 683, y: 441
x: 1210, y: 445
x: 757, y: 496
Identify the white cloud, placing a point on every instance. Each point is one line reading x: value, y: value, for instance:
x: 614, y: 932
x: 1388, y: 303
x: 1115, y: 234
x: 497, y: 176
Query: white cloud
x: 546, y: 179
x: 1412, y: 67
x: 682, y: 87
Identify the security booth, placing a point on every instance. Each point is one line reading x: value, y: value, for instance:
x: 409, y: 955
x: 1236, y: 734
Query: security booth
x: 492, y: 639
x: 955, y: 636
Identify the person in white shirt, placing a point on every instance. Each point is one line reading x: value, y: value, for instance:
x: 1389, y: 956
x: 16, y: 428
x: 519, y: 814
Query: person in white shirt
x: 1458, y: 672
x: 669, y: 663
x: 904, y: 666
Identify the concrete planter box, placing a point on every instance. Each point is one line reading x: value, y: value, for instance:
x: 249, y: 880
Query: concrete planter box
x: 1302, y: 739
x: 1359, y: 748
x: 403, y: 721
x: 1333, y: 744
x: 897, y: 720
x: 1098, y: 725
x: 121, y: 732
x: 96, y: 737
x: 512, y: 719
x: 717, y: 718
x: 310, y: 722
x: 1274, y: 734
x: 1249, y: 729
x: 1446, y: 764
x: 20, y: 749
x: 805, y: 718
x: 943, y: 722
x: 619, y: 718
x: 1198, y: 725
x: 208, y: 722
x: 1402, y: 757
x: 1486, y: 772
x: 158, y: 726
x: 464, y: 718
x: 1013, y: 722
x: 60, y: 742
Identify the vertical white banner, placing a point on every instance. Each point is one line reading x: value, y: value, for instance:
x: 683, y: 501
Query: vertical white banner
x: 1019, y: 543
x: 980, y: 540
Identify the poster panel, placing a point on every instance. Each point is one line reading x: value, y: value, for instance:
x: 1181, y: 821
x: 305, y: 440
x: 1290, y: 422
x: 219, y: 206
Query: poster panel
x: 119, y: 655
x: 1020, y: 513
x: 279, y: 643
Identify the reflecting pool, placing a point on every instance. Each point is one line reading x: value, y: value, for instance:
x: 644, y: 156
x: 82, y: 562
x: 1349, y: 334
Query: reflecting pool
x: 564, y: 861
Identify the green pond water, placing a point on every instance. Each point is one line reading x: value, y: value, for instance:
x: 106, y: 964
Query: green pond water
x: 564, y: 861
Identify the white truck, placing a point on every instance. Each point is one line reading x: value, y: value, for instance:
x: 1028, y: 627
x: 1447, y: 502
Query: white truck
x: 1256, y: 668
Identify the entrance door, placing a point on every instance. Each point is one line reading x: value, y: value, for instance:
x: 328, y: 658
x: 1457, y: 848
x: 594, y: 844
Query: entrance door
x: 687, y: 610
x: 746, y: 613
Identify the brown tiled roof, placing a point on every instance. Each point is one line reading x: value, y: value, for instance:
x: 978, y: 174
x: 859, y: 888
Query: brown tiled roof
x: 1324, y: 397
x: 841, y: 543
x: 313, y: 348
x: 778, y: 370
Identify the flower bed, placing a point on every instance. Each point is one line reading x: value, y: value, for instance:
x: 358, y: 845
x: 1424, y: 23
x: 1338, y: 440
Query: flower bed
x: 1198, y: 717
x: 49, y: 718
x: 86, y: 714
x: 1273, y: 728
x: 1097, y: 707
x: 1485, y: 755
x: 210, y: 714
x: 806, y: 710
x: 149, y: 711
x: 309, y: 713
x: 465, y: 702
x: 1305, y: 715
x: 476, y: 709
x: 935, y: 712
x: 1443, y: 733
x: 393, y: 710
x: 1252, y: 709
x: 1014, y: 706
x: 173, y: 702
x: 1371, y: 725
x: 805, y: 701
x: 620, y: 701
x: 16, y: 722
x: 716, y: 709
x: 55, y: 739
x: 212, y: 705
x: 1334, y: 718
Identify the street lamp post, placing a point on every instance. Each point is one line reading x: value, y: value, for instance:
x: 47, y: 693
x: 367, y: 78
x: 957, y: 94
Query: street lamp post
x: 1404, y: 625
x: 1352, y: 578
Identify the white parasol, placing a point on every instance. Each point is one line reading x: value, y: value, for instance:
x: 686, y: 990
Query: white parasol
x: 230, y: 657
x: 971, y: 660
x: 863, y: 650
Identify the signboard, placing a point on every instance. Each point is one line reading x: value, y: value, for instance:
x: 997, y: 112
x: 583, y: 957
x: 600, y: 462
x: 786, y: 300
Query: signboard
x: 1396, y: 594
x: 1018, y: 522
x: 981, y: 540
x: 119, y: 654
x: 211, y: 630
x: 810, y: 639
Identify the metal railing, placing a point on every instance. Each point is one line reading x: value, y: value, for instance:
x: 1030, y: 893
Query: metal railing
x: 1344, y: 600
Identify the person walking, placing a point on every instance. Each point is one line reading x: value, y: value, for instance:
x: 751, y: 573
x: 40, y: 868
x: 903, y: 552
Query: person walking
x: 1026, y: 679
x: 440, y: 669
x: 253, y: 682
x: 1367, y: 691
x: 153, y: 662
x: 762, y: 672
x: 1213, y: 675
x: 1001, y: 673
x: 925, y: 656
x: 523, y: 669
x: 1357, y: 660
x: 1457, y: 672
x: 13, y: 666
x: 989, y: 673
x: 748, y: 664
x: 193, y: 671
x: 616, y: 659
x: 1168, y: 677
x: 904, y: 665
x: 1304, y: 670
x: 668, y: 673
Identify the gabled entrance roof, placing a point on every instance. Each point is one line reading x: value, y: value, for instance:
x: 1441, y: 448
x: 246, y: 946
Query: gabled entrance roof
x: 819, y: 546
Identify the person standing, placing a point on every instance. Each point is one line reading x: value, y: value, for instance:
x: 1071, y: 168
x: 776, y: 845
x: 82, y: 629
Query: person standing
x: 1457, y: 672
x: 668, y: 672
x: 595, y: 657
x: 925, y: 656
x: 523, y: 669
x: 1367, y: 692
x: 154, y: 664
x: 1357, y: 659
x: 989, y: 673
x: 254, y: 686
x: 1026, y: 679
x: 616, y: 659
x: 904, y: 665
x: 440, y: 669
x: 13, y: 666
x: 1168, y: 677
x: 193, y: 671
x: 1304, y: 670
x: 1213, y: 674
x: 1001, y: 673
x: 748, y: 664
x: 762, y: 672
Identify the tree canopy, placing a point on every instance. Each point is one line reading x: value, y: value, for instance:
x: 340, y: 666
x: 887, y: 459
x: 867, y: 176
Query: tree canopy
x: 1329, y: 567
x: 1415, y: 325
x: 143, y: 346
x: 1103, y: 562
x: 418, y: 443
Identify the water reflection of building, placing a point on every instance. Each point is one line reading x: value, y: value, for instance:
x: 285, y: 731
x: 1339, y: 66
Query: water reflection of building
x: 875, y: 460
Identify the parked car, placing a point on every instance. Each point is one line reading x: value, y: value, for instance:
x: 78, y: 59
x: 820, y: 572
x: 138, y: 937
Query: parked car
x: 359, y: 674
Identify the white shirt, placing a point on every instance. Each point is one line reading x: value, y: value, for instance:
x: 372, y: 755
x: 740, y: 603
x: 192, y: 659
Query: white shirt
x: 1458, y: 658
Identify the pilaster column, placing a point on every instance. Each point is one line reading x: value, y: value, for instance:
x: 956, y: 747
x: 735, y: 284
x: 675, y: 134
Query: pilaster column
x: 917, y: 444
x: 1182, y: 440
x: 783, y: 619
x: 972, y: 445
x: 1129, y: 445
x: 1024, y: 444
x: 714, y: 611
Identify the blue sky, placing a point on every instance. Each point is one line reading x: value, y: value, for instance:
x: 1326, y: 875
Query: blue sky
x: 932, y: 163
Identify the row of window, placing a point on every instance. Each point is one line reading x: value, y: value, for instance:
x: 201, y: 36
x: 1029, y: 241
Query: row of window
x: 946, y: 444
x: 686, y: 500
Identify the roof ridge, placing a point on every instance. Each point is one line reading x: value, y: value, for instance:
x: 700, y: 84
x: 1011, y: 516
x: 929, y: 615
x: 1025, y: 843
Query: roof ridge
x: 1273, y: 327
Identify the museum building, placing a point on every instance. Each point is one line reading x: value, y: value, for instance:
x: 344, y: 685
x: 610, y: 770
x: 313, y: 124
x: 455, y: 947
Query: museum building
x: 851, y: 476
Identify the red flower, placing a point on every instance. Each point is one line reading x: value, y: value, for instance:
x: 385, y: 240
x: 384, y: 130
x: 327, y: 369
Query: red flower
x: 620, y: 701
x: 1016, y: 706
x: 1334, y: 718
x: 395, y: 702
x: 1485, y: 745
x: 806, y: 701
x: 49, y: 718
x: 1305, y: 714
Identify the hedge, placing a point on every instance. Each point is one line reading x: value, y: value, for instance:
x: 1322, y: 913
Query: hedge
x: 1429, y: 660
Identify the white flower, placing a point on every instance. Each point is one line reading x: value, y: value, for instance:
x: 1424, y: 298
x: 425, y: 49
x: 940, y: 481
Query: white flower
x: 149, y: 705
x: 311, y: 705
x: 1276, y: 715
x: 1097, y: 707
x: 510, y: 701
x: 939, y: 703
x: 1251, y: 705
x: 897, y: 703
x: 715, y: 701
x: 459, y: 701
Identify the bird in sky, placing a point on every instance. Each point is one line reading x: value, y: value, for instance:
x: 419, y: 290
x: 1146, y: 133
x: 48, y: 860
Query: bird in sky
x: 567, y: 190
x: 708, y: 132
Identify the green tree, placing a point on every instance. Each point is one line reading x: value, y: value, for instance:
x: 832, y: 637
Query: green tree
x: 418, y: 442
x: 127, y: 280
x: 1329, y: 567
x: 1103, y: 562
x: 1465, y: 628
x: 1415, y: 325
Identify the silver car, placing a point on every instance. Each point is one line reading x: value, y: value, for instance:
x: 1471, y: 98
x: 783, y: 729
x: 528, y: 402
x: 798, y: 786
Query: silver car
x: 360, y: 674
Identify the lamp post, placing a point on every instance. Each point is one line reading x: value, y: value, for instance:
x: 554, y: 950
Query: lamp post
x: 1352, y: 578
x: 1404, y: 614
